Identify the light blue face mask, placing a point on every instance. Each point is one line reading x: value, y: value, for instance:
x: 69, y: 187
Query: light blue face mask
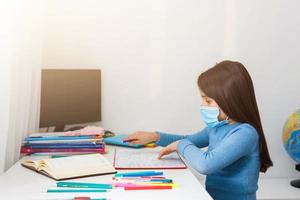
x: 210, y: 116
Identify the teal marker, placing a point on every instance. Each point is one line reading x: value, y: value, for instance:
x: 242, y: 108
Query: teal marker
x: 58, y: 156
x: 73, y: 190
x: 162, y: 180
x: 83, y: 185
x: 79, y: 198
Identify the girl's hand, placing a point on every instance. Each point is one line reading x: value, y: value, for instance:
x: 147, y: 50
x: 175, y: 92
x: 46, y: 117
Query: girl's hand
x: 142, y: 137
x: 168, y: 149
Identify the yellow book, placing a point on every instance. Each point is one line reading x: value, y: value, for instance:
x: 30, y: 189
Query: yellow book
x: 71, y: 167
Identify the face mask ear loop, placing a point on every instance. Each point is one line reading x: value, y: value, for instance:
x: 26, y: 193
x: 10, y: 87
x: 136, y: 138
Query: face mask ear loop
x: 227, y: 117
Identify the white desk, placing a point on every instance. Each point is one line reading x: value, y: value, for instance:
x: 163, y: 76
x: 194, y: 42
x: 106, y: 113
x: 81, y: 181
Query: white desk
x: 277, y: 189
x: 21, y: 183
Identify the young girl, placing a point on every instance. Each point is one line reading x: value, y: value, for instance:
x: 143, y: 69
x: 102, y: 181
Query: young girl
x: 237, y: 149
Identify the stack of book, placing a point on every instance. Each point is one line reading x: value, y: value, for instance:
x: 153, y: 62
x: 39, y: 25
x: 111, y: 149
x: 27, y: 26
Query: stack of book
x: 62, y: 143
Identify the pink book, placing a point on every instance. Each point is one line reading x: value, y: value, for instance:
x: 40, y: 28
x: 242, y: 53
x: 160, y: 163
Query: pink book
x: 89, y: 130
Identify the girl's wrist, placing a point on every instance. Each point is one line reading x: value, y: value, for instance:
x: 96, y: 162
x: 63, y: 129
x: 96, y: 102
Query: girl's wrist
x: 155, y: 136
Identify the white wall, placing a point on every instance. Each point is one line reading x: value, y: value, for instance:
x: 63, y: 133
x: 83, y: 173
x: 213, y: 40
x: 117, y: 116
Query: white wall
x: 5, y: 101
x: 20, y: 64
x: 6, y: 47
x: 151, y: 53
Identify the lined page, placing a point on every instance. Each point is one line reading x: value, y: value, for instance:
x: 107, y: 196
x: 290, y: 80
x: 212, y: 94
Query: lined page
x: 80, y: 165
x: 146, y: 158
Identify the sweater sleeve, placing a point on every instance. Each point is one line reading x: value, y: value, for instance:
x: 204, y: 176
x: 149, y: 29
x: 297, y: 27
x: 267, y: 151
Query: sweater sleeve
x: 199, y: 139
x: 240, y: 143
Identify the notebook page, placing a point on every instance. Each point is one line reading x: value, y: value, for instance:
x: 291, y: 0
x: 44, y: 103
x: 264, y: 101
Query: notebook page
x: 146, y: 158
x: 80, y: 165
x: 31, y: 163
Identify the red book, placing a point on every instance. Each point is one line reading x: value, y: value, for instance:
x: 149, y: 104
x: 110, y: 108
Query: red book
x: 28, y: 150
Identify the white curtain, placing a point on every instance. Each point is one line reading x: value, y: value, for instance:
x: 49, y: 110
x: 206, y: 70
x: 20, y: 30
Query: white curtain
x: 20, y: 65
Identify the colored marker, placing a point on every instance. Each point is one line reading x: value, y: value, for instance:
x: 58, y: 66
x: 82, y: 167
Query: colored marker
x: 73, y: 190
x: 121, y: 184
x: 83, y: 185
x: 78, y: 198
x: 88, y: 198
x: 154, y: 177
x: 143, y: 180
x: 152, y: 145
x: 143, y: 173
x: 146, y: 187
x: 161, y: 180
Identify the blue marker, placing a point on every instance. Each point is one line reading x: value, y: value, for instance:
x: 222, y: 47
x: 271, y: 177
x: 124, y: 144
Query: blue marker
x: 142, y: 173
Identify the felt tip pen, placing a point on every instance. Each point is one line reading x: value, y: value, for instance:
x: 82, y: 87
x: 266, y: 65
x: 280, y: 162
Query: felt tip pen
x: 72, y: 190
x: 83, y: 185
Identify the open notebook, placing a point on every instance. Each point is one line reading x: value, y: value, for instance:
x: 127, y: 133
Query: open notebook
x: 146, y: 159
x: 71, y: 166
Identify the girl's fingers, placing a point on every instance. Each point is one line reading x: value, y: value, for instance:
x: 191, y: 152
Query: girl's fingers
x: 162, y: 153
x: 134, y: 141
x: 129, y: 138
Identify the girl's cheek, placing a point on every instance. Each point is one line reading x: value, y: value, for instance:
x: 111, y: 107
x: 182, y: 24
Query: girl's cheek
x: 205, y: 103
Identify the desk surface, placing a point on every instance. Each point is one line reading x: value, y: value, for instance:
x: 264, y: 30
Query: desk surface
x: 277, y: 189
x: 21, y: 183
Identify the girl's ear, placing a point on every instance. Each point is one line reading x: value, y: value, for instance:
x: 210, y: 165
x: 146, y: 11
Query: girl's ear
x: 222, y: 115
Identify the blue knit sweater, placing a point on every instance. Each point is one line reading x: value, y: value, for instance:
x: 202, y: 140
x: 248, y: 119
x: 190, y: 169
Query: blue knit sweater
x: 231, y: 161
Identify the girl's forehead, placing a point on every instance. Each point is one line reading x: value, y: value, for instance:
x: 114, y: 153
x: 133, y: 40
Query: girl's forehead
x: 203, y: 95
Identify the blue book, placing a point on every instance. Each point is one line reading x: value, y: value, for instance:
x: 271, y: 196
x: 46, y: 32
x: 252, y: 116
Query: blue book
x: 65, y: 146
x: 60, y: 138
x: 77, y: 141
x: 118, y: 140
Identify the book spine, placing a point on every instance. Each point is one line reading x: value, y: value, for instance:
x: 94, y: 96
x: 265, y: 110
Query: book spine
x: 26, y: 150
x: 77, y: 141
x: 61, y: 138
x: 63, y: 145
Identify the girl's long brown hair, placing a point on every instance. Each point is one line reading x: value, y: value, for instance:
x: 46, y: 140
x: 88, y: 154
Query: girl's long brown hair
x: 230, y: 85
